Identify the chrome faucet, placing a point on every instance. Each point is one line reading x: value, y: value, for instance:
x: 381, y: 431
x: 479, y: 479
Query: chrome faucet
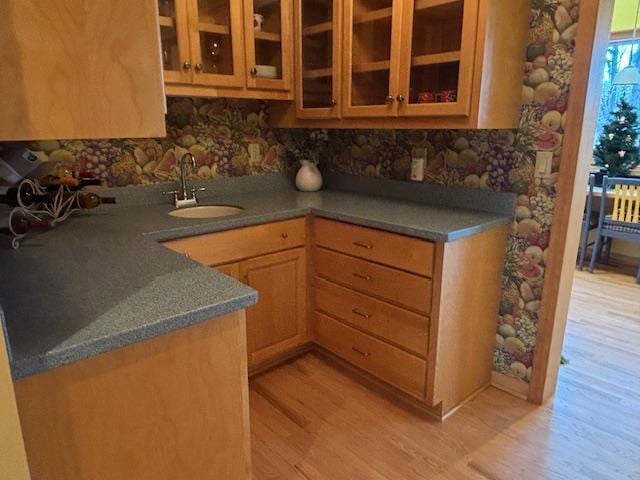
x: 185, y: 197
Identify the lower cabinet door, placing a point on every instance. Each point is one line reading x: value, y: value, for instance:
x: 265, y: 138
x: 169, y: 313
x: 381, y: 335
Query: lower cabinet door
x: 278, y: 322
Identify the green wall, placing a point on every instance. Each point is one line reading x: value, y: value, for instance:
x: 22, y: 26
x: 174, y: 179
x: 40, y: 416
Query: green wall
x: 624, y: 14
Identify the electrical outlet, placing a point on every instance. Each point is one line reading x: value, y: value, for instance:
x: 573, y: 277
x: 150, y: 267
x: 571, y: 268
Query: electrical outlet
x: 255, y: 153
x: 418, y: 163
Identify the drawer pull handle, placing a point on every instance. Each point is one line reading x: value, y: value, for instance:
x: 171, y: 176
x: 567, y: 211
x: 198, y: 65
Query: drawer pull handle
x: 363, y: 277
x: 363, y: 245
x: 284, y: 235
x: 360, y: 314
x: 364, y: 354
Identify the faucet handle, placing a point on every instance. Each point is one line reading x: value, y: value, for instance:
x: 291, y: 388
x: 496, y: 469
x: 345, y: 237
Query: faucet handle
x: 175, y: 195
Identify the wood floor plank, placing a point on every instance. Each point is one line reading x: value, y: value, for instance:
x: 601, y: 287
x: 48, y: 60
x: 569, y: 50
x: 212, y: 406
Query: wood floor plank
x: 312, y: 420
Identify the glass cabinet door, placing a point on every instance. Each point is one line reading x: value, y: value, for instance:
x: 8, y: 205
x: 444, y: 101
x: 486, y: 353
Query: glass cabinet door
x: 174, y: 41
x: 268, y: 34
x: 438, y: 56
x: 215, y: 28
x: 372, y: 43
x: 318, y: 56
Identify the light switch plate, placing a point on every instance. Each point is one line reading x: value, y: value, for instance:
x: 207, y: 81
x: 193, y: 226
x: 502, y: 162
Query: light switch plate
x: 544, y: 163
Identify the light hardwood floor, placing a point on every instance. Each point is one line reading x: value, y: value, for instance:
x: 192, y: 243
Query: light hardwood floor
x: 312, y: 420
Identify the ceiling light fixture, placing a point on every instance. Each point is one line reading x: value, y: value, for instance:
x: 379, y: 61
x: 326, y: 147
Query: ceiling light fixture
x: 629, y: 75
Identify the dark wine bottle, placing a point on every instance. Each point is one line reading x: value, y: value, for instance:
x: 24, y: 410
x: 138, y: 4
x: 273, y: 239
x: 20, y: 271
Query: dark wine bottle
x: 52, y: 182
x: 26, y: 195
x: 19, y: 225
x: 87, y: 200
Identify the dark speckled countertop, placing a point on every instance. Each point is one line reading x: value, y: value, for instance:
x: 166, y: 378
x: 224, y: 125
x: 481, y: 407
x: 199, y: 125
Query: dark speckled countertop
x: 101, y: 280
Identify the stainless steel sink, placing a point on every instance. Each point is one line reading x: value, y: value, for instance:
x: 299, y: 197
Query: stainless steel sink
x: 206, y: 211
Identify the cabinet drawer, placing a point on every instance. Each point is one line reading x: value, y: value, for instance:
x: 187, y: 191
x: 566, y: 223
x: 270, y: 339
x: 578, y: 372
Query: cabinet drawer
x: 394, y: 324
x: 387, y: 283
x: 222, y: 247
x: 391, y: 249
x: 391, y: 364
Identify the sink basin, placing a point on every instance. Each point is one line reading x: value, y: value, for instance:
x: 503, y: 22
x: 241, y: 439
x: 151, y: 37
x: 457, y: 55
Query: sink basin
x: 206, y: 211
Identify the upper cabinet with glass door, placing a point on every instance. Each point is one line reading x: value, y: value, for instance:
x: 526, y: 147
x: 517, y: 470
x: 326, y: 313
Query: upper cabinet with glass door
x: 372, y: 57
x: 215, y: 31
x: 318, y: 45
x: 202, y: 42
x: 424, y: 64
x: 438, y: 57
x: 268, y: 44
x: 174, y: 38
x: 210, y: 43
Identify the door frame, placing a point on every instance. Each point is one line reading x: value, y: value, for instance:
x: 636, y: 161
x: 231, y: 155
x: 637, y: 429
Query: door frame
x: 591, y: 43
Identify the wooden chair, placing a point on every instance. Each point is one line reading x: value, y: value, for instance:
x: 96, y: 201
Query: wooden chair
x: 589, y: 222
x: 624, y: 220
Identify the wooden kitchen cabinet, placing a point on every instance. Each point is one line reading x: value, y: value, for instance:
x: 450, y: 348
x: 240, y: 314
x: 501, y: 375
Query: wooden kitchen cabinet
x: 423, y: 322
x: 13, y: 461
x: 211, y: 48
x: 436, y: 70
x: 422, y: 64
x: 174, y: 406
x: 318, y: 47
x: 202, y: 42
x: 215, y: 38
x: 278, y: 322
x: 268, y: 44
x: 373, y: 35
x: 174, y: 41
x: 77, y: 69
x: 270, y: 258
x: 402, y: 56
x: 417, y: 315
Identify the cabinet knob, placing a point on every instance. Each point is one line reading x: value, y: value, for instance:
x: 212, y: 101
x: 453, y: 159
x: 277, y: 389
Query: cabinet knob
x: 400, y: 98
x: 284, y: 235
x: 199, y: 67
x: 253, y: 71
x: 389, y: 99
x: 333, y: 102
x: 186, y: 65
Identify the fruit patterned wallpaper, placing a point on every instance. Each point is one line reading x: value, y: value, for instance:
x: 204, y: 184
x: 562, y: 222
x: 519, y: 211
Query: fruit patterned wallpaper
x: 221, y: 133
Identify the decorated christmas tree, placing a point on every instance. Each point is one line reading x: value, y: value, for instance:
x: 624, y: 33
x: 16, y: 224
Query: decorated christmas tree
x: 617, y: 151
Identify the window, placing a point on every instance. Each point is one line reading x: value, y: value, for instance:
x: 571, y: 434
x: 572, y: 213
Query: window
x: 618, y: 56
